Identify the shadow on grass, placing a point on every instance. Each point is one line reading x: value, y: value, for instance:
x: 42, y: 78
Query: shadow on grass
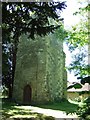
x: 11, y: 110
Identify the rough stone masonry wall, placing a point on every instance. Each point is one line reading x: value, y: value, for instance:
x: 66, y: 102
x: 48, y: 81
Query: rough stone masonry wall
x: 40, y: 63
x: 56, y: 74
x: 30, y: 68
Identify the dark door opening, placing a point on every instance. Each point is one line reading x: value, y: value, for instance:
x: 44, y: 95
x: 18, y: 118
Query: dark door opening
x: 27, y: 94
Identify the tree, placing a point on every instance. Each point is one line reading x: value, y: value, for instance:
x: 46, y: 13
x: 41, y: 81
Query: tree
x: 78, y: 40
x: 31, y: 18
x: 78, y: 44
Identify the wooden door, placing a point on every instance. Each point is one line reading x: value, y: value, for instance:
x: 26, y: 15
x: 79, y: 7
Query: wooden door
x: 27, y: 94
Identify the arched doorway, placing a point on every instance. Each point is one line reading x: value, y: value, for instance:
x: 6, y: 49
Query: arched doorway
x: 27, y: 93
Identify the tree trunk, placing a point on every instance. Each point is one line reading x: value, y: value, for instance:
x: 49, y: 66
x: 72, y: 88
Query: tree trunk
x: 13, y: 59
x: 9, y: 91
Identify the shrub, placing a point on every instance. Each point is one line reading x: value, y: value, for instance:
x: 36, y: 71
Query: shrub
x: 84, y: 110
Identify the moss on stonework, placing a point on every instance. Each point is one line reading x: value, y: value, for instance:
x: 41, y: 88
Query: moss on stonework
x: 41, y: 65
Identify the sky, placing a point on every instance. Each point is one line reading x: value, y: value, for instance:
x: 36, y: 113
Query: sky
x: 70, y: 20
x: 67, y: 14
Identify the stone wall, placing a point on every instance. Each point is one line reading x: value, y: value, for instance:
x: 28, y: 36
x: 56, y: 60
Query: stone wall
x: 40, y: 64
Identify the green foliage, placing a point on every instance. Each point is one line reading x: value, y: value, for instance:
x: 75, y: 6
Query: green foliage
x: 78, y: 36
x: 77, y: 42
x: 61, y: 33
x: 84, y: 92
x: 83, y: 10
x: 75, y: 85
x: 84, y: 110
x: 4, y: 92
x: 79, y: 64
x: 85, y: 80
x: 30, y: 17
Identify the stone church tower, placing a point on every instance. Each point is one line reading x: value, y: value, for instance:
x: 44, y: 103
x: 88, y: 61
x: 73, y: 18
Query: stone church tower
x: 40, y: 75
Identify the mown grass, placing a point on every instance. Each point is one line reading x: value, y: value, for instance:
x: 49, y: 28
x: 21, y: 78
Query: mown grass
x: 65, y: 106
x: 13, y: 110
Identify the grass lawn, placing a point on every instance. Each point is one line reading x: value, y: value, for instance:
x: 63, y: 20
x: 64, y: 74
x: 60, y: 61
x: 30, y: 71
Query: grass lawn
x: 12, y: 110
x: 66, y: 106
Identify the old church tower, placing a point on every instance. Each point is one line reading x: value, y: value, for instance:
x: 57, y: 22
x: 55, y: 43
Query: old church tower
x: 40, y: 75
